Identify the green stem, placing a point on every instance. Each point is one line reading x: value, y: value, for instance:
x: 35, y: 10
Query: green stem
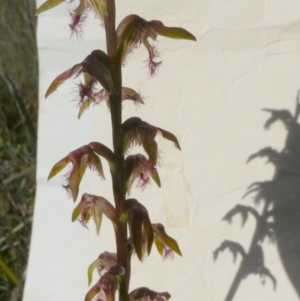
x: 118, y: 179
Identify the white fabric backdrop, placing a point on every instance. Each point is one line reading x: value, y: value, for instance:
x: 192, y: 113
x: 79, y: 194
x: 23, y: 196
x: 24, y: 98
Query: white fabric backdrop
x: 208, y: 93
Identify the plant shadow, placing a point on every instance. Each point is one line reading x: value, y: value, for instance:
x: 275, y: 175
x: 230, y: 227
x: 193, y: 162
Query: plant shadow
x: 279, y: 220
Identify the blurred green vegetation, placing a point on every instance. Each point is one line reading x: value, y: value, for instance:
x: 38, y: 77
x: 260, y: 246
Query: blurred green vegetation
x: 18, y: 120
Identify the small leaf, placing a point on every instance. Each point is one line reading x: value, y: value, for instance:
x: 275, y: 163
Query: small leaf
x: 150, y: 147
x: 171, y: 32
x: 60, y: 165
x: 96, y: 164
x: 140, y: 226
x: 130, y: 94
x: 85, y: 105
x: 97, y: 216
x: 155, y: 177
x: 169, y: 136
x: 100, y: 7
x: 99, y: 65
x: 74, y: 181
x: 159, y: 246
x: 136, y: 223
x: 48, y: 5
x: 77, y: 210
x: 130, y: 171
x: 149, y: 232
x: 165, y: 239
x: 91, y: 269
x: 103, y: 151
x: 171, y: 243
x: 76, y: 175
x: 106, y: 261
x: 61, y: 78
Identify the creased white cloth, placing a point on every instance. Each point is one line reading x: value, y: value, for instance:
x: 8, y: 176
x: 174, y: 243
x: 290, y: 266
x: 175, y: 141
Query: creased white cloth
x: 210, y: 94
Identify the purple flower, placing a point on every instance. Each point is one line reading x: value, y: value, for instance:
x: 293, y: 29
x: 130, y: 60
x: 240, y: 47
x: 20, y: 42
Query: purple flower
x: 78, y: 15
x: 134, y: 30
x: 140, y: 168
x: 82, y: 158
x: 145, y: 294
x: 164, y: 243
x: 103, y: 263
x: 134, y: 131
